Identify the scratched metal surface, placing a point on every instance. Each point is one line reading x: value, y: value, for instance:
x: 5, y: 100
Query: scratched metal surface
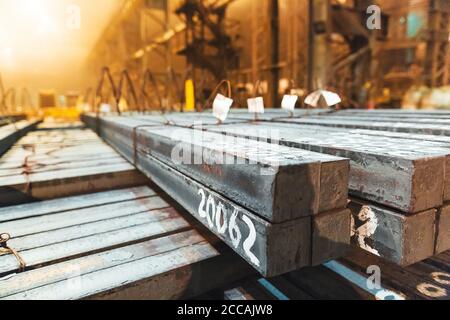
x: 391, y: 150
x: 348, y: 279
x: 122, y: 244
x: 239, y: 226
x: 401, y: 239
x: 56, y: 163
x: 272, y: 248
x: 7, y: 119
x: 10, y: 133
x: 443, y: 130
x: 382, y: 168
x: 417, y: 120
x: 395, y: 112
x: 259, y: 165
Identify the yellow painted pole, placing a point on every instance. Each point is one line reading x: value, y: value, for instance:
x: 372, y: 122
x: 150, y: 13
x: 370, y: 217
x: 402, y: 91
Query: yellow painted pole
x: 189, y: 95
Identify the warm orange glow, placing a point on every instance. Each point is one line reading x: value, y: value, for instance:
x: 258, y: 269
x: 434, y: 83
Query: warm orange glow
x: 43, y: 43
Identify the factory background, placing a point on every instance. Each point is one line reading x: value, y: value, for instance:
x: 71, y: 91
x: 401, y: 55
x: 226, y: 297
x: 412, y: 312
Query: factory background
x: 224, y: 150
x: 373, y: 53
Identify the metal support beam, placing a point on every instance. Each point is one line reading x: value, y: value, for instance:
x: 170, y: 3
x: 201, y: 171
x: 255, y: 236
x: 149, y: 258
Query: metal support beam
x: 274, y: 49
x: 403, y: 174
x: 319, y: 33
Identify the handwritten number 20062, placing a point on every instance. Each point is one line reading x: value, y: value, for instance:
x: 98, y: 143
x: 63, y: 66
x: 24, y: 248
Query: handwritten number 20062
x: 216, y: 216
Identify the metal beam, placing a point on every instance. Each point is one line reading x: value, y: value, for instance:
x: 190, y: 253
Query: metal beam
x: 9, y: 134
x: 257, y: 175
x: 404, y: 174
x: 267, y: 219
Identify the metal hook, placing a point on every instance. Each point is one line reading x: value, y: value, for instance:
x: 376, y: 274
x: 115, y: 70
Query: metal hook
x: 4, y: 238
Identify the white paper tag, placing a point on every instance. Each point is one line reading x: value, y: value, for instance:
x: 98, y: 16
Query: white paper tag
x: 255, y: 105
x: 288, y: 102
x: 221, y: 107
x: 86, y: 107
x: 105, y: 108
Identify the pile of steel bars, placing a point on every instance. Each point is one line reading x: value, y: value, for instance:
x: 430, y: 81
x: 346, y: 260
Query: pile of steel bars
x: 280, y: 208
x: 420, y: 126
x: 347, y: 279
x: 12, y: 132
x: 121, y: 244
x: 46, y: 164
x: 399, y: 181
x: 8, y: 119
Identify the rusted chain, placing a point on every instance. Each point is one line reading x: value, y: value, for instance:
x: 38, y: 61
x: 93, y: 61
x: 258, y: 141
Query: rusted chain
x: 5, y: 249
x: 148, y: 76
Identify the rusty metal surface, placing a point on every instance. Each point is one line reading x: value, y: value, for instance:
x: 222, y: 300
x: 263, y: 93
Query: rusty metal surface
x: 124, y: 244
x: 46, y: 164
x: 434, y: 129
x: 10, y: 133
x: 257, y: 175
x: 347, y: 279
x: 408, y: 172
x: 269, y: 237
x: 405, y: 174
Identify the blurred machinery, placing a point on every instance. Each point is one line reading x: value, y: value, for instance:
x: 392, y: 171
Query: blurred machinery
x: 284, y: 44
x: 65, y: 107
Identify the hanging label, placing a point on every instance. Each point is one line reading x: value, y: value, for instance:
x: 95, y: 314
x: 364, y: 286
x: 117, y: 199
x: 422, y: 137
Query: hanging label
x: 86, y: 107
x: 255, y: 105
x: 289, y: 101
x: 105, y: 108
x: 221, y: 107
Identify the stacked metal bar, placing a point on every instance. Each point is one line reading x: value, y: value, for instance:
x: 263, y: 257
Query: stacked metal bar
x: 122, y: 244
x: 398, y: 112
x: 347, y: 279
x: 60, y: 125
x: 418, y: 121
x: 399, y: 183
x: 390, y: 123
x: 46, y: 164
x: 274, y: 114
x: 12, y: 132
x: 8, y: 119
x: 280, y: 208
